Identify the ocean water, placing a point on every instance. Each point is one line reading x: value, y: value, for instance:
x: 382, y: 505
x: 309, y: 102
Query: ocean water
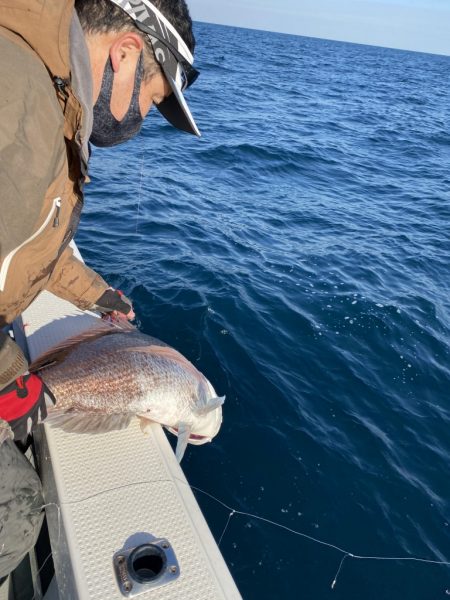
x: 298, y: 254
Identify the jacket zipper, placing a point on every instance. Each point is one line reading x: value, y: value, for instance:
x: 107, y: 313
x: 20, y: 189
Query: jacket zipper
x: 6, y: 263
x: 61, y: 84
x: 57, y: 202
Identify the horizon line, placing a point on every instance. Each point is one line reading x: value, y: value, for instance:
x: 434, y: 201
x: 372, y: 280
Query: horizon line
x: 323, y: 38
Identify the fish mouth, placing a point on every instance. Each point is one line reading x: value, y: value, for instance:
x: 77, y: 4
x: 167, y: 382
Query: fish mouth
x: 194, y: 438
x: 211, y: 423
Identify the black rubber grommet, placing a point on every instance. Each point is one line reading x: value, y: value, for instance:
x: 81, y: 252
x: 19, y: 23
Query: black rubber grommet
x: 147, y: 563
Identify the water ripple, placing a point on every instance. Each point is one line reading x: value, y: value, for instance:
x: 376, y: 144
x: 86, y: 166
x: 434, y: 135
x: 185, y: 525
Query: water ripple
x: 298, y: 254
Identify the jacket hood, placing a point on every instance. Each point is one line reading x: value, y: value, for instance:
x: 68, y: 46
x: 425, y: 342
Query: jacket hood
x: 44, y: 25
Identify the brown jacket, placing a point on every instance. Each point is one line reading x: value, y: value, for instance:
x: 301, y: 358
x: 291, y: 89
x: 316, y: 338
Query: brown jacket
x: 41, y: 168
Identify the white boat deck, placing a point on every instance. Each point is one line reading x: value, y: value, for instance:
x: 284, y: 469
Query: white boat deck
x: 116, y: 490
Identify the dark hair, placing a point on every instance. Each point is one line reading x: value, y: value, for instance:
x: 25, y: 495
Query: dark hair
x: 103, y: 16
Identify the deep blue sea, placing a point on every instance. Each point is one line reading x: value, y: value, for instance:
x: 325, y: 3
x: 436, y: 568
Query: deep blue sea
x: 298, y: 254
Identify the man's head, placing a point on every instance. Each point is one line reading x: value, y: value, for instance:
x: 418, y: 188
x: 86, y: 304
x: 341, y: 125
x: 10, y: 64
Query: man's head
x: 127, y: 75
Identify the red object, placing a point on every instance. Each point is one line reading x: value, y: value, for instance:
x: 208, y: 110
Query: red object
x: 20, y: 397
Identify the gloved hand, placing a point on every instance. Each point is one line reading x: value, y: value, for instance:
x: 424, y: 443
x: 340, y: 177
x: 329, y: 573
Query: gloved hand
x: 13, y: 363
x: 115, y: 302
x: 23, y: 404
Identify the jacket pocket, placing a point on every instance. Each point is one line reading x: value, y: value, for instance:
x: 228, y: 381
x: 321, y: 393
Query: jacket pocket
x: 53, y: 212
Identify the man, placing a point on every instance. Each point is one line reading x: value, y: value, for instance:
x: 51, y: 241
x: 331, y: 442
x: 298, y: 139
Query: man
x: 69, y: 76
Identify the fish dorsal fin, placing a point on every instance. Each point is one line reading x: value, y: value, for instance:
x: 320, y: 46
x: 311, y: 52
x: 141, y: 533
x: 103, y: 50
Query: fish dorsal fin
x: 57, y: 353
x: 184, y: 431
x: 88, y: 422
x: 211, y: 405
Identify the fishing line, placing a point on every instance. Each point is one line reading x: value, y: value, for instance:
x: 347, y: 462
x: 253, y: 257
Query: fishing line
x: 140, y: 184
x: 235, y: 511
x: 269, y: 521
x: 226, y: 527
x: 59, y: 515
x: 38, y: 572
x: 232, y: 512
x: 51, y: 551
x: 333, y: 583
x: 346, y: 553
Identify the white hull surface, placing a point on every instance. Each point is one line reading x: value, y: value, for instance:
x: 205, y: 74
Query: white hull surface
x: 116, y: 490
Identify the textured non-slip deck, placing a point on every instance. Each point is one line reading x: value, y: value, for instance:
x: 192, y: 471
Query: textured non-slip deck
x: 116, y: 490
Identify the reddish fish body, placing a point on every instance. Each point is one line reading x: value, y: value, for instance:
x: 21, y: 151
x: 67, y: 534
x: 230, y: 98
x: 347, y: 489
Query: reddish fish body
x: 102, y: 382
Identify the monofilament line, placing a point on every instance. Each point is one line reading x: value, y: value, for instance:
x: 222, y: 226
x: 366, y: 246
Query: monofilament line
x: 346, y: 553
x: 333, y: 583
x: 226, y: 526
x: 232, y: 512
x: 38, y: 573
x: 140, y: 184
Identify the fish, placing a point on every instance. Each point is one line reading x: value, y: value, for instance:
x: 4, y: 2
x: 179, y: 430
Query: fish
x: 110, y: 374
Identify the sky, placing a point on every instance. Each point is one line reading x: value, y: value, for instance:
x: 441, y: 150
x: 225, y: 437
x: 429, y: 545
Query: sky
x: 421, y: 25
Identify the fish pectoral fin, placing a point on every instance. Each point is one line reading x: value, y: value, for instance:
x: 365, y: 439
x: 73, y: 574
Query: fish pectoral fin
x: 88, y: 422
x: 211, y: 405
x: 184, y: 431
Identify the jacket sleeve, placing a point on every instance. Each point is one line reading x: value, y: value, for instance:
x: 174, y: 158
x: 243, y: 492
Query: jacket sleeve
x: 72, y: 280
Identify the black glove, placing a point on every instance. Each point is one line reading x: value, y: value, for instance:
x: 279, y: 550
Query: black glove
x: 23, y: 404
x: 114, y: 300
x: 12, y: 361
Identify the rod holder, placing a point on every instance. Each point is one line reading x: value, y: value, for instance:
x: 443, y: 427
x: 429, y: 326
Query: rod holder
x: 145, y: 567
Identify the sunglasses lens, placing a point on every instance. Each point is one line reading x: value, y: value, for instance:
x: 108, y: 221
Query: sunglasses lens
x: 184, y: 79
x: 191, y: 74
x: 188, y: 75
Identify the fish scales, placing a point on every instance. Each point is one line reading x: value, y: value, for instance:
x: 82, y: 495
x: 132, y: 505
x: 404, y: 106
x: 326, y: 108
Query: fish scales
x: 131, y: 373
x: 112, y: 374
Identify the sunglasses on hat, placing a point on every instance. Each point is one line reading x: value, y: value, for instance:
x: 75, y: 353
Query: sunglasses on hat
x: 173, y: 56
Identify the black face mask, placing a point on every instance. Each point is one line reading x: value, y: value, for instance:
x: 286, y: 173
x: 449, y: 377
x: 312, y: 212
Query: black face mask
x: 107, y: 130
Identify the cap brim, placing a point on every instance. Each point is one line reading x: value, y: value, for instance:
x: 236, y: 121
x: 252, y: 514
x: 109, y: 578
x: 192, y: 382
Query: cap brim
x: 175, y: 109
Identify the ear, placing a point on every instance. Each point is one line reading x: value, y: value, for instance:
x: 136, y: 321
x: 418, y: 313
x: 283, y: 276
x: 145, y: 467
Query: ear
x: 125, y: 47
